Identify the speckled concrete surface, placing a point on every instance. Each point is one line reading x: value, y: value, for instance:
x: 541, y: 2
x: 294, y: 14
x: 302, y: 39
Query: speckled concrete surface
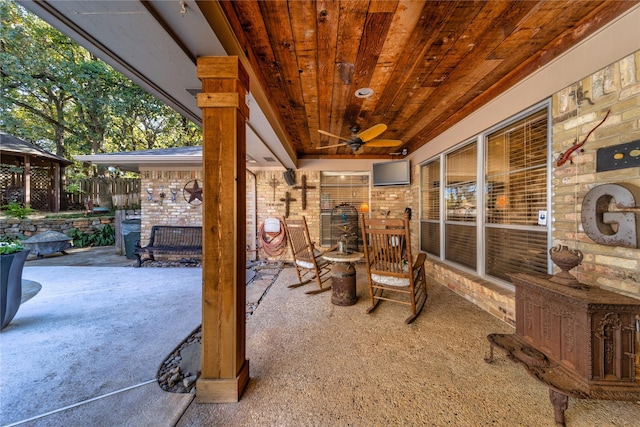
x: 317, y: 364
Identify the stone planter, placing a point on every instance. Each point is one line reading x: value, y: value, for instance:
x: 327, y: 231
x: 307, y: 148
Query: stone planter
x: 11, y: 280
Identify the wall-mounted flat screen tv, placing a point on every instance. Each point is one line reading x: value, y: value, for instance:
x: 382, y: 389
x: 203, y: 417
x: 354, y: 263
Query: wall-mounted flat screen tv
x: 397, y: 172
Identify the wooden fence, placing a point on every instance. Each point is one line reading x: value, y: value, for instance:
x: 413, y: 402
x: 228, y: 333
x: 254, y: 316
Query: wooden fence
x: 112, y: 193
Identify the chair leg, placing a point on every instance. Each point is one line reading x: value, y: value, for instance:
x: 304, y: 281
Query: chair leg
x: 297, y: 285
x: 318, y: 291
x: 320, y: 282
x: 419, y: 305
x: 300, y: 282
x: 375, y: 294
x: 420, y: 298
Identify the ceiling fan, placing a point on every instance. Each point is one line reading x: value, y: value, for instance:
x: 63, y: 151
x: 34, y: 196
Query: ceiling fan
x: 364, y: 138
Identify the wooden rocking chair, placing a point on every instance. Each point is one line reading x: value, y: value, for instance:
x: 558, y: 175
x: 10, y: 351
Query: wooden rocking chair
x: 392, y: 273
x: 306, y: 258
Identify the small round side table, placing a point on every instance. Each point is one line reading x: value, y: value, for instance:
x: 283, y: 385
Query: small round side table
x: 343, y: 276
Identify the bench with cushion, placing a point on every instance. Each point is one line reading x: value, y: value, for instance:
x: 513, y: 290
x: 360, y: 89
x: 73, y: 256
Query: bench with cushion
x: 171, y: 240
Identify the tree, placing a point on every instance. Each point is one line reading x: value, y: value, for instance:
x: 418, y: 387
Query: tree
x: 58, y: 95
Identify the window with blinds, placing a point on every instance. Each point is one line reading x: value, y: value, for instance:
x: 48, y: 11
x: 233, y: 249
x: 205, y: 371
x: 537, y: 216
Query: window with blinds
x: 515, y: 193
x: 460, y: 192
x: 346, y: 189
x: 430, y: 214
x: 490, y: 215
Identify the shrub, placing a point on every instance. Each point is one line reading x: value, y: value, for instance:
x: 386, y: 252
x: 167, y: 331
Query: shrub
x: 104, y: 236
x: 16, y: 210
x: 80, y: 239
x: 74, y: 188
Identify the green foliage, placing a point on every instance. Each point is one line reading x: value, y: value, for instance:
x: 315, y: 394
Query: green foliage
x: 16, y: 210
x: 74, y: 188
x: 80, y: 239
x: 60, y: 96
x: 11, y: 247
x: 81, y: 215
x: 104, y: 236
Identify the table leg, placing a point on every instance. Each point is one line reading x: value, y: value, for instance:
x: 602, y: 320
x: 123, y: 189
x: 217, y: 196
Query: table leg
x: 560, y: 402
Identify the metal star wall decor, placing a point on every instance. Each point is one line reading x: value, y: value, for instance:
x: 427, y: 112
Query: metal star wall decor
x: 192, y: 192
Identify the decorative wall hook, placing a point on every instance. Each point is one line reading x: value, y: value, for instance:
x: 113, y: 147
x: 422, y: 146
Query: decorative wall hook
x: 161, y: 195
x: 580, y: 95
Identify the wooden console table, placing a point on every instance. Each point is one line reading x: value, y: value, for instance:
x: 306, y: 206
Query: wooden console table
x: 579, y: 342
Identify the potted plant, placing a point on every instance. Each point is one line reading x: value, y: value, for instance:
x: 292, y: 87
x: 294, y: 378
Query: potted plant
x: 12, y: 258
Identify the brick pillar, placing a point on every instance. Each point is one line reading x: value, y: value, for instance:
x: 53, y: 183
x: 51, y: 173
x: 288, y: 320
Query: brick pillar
x: 225, y: 370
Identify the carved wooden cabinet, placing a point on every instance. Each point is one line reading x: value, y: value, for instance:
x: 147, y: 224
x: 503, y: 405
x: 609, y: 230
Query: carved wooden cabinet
x: 579, y: 341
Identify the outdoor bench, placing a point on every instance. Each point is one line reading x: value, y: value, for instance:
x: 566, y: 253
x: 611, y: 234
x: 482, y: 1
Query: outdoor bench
x: 170, y: 240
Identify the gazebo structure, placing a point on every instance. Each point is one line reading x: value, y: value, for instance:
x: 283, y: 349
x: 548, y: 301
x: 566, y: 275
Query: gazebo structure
x: 29, y: 175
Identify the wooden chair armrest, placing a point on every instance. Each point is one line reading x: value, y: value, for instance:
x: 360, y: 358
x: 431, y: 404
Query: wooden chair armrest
x: 422, y: 257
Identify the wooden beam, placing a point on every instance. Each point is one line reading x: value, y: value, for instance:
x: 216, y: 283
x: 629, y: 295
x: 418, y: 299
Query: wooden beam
x: 228, y: 36
x: 225, y: 369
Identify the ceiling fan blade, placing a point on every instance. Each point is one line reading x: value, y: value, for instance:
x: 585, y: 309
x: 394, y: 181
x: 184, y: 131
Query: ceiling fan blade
x: 324, y: 132
x: 342, y: 144
x: 384, y: 143
x: 372, y: 132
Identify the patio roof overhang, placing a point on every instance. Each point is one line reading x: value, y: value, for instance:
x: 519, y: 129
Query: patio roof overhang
x: 134, y: 162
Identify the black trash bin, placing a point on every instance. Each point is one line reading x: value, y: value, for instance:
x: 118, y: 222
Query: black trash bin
x: 130, y: 229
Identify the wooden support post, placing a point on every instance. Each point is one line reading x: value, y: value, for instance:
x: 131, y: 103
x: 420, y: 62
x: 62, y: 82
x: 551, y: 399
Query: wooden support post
x: 56, y: 187
x: 26, y: 181
x: 225, y: 369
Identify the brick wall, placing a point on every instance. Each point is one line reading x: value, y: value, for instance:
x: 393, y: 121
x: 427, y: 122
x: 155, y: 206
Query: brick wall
x: 615, y: 88
x: 179, y: 211
x: 252, y: 227
x: 271, y: 189
x: 392, y: 200
x: 169, y: 212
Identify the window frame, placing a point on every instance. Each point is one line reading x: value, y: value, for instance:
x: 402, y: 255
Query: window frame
x: 481, y: 218
x: 324, y: 226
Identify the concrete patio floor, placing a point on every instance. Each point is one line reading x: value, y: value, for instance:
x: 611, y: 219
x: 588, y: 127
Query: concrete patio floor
x: 85, y: 352
x: 313, y: 363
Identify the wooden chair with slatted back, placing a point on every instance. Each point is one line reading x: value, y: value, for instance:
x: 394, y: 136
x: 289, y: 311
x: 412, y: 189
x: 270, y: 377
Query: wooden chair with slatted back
x: 306, y: 258
x: 393, y: 274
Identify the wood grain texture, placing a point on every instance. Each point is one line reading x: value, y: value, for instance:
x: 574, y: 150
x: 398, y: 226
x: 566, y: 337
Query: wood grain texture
x: 224, y: 257
x: 431, y: 64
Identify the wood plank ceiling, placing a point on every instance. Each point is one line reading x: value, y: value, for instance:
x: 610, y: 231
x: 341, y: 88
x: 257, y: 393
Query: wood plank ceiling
x: 429, y: 63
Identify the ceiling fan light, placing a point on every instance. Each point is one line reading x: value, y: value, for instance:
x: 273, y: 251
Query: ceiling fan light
x: 364, y: 92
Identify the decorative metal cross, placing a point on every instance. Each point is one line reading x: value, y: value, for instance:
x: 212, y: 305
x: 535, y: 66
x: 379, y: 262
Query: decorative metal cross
x: 287, y: 201
x: 304, y: 187
x: 274, y: 183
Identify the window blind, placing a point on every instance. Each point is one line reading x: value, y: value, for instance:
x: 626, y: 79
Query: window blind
x: 460, y: 194
x: 516, y: 190
x: 337, y: 188
x: 430, y: 214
